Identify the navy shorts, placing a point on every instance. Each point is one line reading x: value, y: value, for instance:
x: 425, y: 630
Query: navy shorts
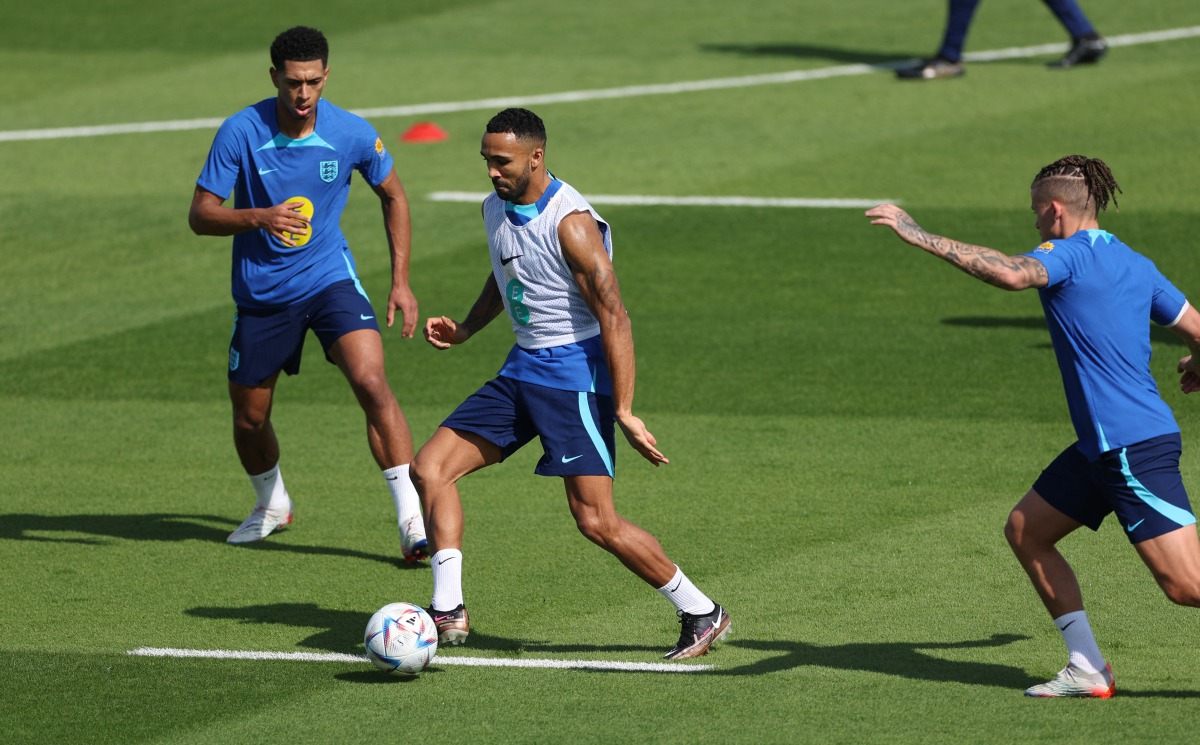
x: 575, y: 427
x: 267, y: 341
x: 1141, y: 483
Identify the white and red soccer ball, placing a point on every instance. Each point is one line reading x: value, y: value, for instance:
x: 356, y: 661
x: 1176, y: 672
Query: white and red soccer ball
x: 401, y: 638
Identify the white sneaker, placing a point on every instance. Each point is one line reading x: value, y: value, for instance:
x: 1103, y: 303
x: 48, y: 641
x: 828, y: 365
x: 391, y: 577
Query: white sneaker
x: 413, y: 543
x: 1071, y: 681
x: 261, y: 523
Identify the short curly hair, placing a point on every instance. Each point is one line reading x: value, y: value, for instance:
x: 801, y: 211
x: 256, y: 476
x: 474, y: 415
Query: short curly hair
x: 523, y: 123
x: 299, y: 44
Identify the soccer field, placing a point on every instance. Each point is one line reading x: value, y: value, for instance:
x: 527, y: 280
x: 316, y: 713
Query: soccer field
x: 848, y: 420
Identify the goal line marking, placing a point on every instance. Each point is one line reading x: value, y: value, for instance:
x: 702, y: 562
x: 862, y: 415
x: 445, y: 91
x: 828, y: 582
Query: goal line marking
x: 230, y: 654
x: 744, y: 81
x: 644, y: 200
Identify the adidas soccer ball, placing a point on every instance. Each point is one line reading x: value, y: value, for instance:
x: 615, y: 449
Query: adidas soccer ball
x: 401, y: 638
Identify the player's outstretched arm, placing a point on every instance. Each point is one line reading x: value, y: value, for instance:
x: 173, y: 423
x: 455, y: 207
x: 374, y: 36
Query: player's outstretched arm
x: 398, y: 227
x: 209, y: 216
x: 1188, y: 329
x: 583, y: 248
x: 986, y: 264
x: 444, y: 332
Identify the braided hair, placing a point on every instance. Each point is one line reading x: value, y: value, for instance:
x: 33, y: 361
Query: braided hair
x: 1078, y: 181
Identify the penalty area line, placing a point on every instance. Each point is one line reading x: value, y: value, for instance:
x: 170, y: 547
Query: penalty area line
x: 651, y: 201
x: 231, y: 654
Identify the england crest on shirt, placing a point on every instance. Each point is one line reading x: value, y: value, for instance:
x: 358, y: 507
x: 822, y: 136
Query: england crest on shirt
x: 329, y: 170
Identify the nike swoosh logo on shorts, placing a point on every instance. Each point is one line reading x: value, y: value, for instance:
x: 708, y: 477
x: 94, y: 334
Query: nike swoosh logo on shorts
x: 265, y: 171
x: 565, y: 459
x: 1131, y: 528
x: 365, y: 318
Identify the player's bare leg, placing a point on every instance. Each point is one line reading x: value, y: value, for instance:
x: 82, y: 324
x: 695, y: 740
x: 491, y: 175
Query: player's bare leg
x: 1174, y: 560
x: 258, y: 449
x: 447, y: 457
x: 1034, y: 528
x: 591, y: 501
x: 253, y: 436
x: 359, y: 355
x: 703, y: 621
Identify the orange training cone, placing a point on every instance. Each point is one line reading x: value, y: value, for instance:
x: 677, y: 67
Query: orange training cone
x: 424, y: 132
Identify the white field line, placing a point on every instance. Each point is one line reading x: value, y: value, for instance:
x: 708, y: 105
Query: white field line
x: 643, y: 200
x: 745, y: 81
x: 229, y: 654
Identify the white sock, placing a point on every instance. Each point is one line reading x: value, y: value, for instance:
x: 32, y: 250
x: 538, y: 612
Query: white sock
x: 408, y: 503
x: 1081, y: 644
x: 686, y: 596
x: 268, y: 488
x: 447, y: 579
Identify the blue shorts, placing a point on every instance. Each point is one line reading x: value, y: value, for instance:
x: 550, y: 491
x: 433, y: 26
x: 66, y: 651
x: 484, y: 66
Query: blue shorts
x: 267, y: 341
x: 575, y: 427
x: 1141, y: 483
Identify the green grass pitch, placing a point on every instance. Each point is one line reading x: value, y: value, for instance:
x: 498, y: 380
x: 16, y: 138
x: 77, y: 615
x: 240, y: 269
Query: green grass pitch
x: 849, y: 421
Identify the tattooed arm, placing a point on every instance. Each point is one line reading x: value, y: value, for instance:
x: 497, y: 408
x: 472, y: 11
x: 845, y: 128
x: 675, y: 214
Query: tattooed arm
x: 987, y: 264
x: 583, y: 249
x: 443, y: 332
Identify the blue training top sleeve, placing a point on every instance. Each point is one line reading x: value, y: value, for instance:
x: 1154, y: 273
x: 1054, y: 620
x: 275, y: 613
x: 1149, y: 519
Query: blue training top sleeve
x: 1058, y: 265
x: 1168, y: 303
x: 224, y: 162
x: 374, y: 161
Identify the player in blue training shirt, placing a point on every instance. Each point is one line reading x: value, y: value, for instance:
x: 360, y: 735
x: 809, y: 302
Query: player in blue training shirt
x: 567, y: 380
x: 1099, y: 297
x: 288, y: 161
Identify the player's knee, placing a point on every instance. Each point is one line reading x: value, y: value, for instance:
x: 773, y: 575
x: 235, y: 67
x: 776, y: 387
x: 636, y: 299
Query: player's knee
x: 420, y: 471
x: 372, y: 389
x: 1014, y: 530
x: 595, y: 527
x: 250, y: 420
x: 1183, y: 592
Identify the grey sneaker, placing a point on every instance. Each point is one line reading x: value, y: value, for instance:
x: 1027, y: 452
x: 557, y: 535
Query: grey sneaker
x: 932, y: 69
x: 261, y: 523
x: 453, y: 626
x: 1071, y: 681
x: 1082, y: 52
x: 699, y: 633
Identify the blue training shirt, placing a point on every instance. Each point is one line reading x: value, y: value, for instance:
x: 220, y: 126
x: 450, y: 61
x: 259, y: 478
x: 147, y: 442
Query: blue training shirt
x: 1099, y: 301
x: 261, y: 167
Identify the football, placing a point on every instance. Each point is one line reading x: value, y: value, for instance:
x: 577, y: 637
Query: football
x: 401, y: 638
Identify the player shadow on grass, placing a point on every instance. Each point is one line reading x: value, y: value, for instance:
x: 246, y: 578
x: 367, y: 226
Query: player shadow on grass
x: 817, y: 51
x: 906, y: 660
x: 1158, y: 334
x: 340, y: 630
x: 901, y: 659
x: 95, y: 530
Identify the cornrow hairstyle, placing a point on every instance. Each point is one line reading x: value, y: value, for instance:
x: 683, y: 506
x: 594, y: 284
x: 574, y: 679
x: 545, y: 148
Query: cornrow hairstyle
x: 299, y: 44
x: 1077, y: 180
x: 523, y: 123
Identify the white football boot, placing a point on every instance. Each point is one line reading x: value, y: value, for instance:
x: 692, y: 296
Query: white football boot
x: 261, y: 523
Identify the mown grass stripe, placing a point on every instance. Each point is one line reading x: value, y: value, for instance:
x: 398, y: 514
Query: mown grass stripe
x: 742, y: 81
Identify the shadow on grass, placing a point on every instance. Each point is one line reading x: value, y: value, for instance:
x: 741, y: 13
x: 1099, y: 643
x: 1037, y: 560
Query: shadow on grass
x: 1158, y: 334
x: 900, y: 659
x: 94, y: 529
x: 341, y: 631
x: 808, y: 51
